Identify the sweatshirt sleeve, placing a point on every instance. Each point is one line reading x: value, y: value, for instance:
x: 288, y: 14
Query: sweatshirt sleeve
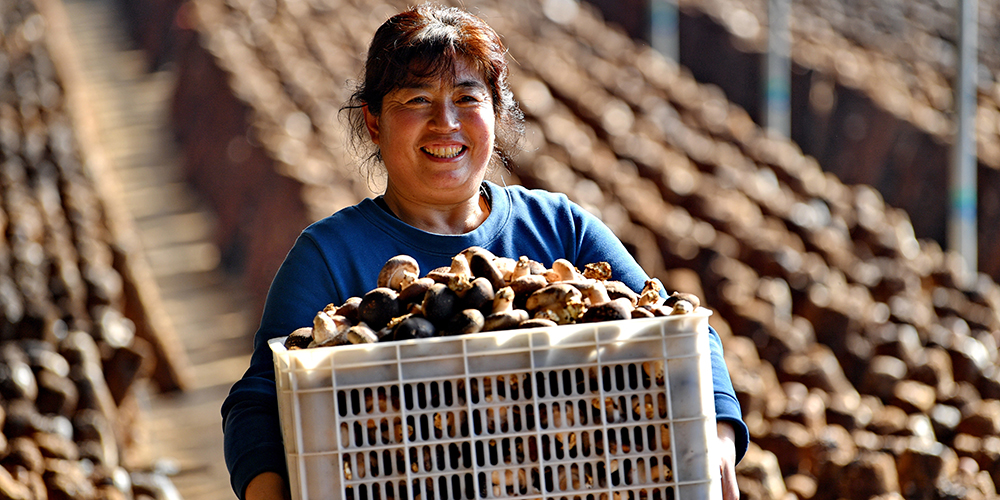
x: 727, y: 407
x: 251, y: 428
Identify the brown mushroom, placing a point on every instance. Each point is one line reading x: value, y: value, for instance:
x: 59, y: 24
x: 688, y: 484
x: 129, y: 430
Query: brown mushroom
x: 349, y: 309
x: 504, y: 316
x: 466, y: 321
x: 478, y: 295
x: 559, y: 302
x: 617, y: 289
x: 600, y: 271
x: 562, y: 270
x: 414, y: 292
x: 414, y: 327
x: 650, y: 295
x: 610, y: 310
x: 328, y: 326
x: 299, y: 339
x: 481, y: 264
x: 378, y: 306
x: 439, y: 304
x: 537, y: 323
x: 398, y: 272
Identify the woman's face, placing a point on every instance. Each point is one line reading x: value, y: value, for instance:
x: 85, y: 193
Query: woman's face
x: 436, y: 137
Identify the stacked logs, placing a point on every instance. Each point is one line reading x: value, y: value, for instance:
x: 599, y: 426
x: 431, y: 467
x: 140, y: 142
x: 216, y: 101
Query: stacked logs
x: 864, y: 358
x: 69, y: 357
x: 900, y: 54
x: 872, y: 95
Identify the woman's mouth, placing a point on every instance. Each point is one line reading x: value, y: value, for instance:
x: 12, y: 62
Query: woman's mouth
x: 443, y: 151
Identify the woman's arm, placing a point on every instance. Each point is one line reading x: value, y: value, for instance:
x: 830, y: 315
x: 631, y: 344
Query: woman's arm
x: 251, y: 428
x: 268, y: 486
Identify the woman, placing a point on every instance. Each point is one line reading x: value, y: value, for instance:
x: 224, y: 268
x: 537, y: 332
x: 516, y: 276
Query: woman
x: 435, y: 107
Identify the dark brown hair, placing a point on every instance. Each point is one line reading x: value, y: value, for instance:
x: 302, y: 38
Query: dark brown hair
x: 424, y: 42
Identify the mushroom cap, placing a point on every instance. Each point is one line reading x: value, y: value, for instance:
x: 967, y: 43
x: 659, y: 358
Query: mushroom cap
x: 378, y: 306
x: 565, y: 270
x: 440, y: 274
x: 678, y: 296
x: 299, y: 339
x: 326, y: 326
x: 397, y: 271
x: 528, y: 284
x: 479, y: 295
x: 618, y: 289
x: 414, y: 327
x: 349, y: 309
x: 414, y: 292
x: 482, y: 266
x: 537, y: 323
x: 641, y: 312
x: 505, y: 320
x: 440, y: 303
x: 552, y: 294
x: 608, y: 311
x: 466, y: 321
x: 360, y: 334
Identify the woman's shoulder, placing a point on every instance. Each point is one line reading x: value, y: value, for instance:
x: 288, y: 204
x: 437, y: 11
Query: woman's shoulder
x: 345, y: 220
x: 534, y: 202
x: 532, y: 198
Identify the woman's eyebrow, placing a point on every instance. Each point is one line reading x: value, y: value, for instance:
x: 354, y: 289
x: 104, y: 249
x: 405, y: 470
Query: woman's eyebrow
x: 473, y: 84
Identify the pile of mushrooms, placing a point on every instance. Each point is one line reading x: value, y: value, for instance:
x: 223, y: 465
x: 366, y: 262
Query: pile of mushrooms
x: 481, y: 292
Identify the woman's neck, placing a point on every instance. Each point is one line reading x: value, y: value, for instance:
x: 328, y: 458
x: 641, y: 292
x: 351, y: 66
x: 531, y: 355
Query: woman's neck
x: 457, y: 218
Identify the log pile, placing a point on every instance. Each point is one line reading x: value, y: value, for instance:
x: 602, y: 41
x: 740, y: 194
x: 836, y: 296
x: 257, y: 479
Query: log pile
x: 872, y: 95
x: 865, y: 359
x: 70, y: 356
x: 902, y: 54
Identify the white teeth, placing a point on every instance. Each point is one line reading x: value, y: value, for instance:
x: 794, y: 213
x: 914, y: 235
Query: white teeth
x: 445, y: 152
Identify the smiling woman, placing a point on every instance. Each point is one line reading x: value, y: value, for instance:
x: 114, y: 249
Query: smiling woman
x: 435, y: 138
x: 435, y: 111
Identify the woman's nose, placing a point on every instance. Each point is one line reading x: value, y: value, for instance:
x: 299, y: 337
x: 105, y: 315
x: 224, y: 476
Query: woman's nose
x: 445, y: 117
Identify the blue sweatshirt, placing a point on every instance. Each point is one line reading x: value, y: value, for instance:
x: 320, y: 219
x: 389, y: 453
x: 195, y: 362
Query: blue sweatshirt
x: 340, y: 257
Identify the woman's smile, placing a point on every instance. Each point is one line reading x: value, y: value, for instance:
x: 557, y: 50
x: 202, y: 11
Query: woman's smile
x: 444, y: 152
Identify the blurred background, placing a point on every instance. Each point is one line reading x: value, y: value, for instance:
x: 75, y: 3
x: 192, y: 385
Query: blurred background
x: 804, y: 172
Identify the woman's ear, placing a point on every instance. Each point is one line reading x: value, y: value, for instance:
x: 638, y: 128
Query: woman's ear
x: 371, y: 122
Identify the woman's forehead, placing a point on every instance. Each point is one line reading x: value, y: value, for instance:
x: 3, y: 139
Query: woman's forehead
x: 456, y: 71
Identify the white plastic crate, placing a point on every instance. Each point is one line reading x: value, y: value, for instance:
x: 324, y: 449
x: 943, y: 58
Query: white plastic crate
x: 619, y: 410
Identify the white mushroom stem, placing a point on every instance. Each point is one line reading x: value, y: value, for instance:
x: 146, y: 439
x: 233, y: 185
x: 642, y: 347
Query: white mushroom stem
x: 506, y: 266
x: 327, y: 326
x: 460, y: 265
x: 503, y: 300
x: 566, y: 270
x: 594, y: 292
x: 522, y: 268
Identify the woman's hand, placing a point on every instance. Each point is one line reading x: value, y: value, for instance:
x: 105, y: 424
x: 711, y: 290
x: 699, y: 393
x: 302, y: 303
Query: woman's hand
x: 268, y: 486
x: 727, y: 451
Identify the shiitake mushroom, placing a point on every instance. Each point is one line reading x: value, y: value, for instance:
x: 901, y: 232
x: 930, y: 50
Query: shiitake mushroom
x: 466, y: 321
x: 414, y: 327
x: 378, y: 307
x: 466, y: 297
x: 440, y: 303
